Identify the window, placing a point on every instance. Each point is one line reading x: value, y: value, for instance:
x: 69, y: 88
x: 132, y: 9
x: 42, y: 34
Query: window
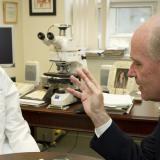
x: 126, y: 18
x: 122, y: 19
x: 115, y: 23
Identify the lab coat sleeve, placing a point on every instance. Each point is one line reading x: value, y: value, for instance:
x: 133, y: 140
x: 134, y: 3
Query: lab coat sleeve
x: 16, y: 128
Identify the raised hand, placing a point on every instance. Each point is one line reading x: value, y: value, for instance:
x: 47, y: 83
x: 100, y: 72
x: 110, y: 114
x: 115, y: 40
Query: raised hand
x: 91, y: 96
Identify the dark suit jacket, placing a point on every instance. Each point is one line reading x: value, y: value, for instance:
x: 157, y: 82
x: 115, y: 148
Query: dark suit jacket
x: 114, y: 144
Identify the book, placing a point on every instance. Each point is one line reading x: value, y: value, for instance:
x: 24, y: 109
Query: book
x: 35, y: 95
x: 117, y: 110
x: 31, y: 102
x: 34, y: 98
x: 117, y: 103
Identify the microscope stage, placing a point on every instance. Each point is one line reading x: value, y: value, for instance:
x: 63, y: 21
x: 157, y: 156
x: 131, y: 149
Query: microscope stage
x: 61, y: 75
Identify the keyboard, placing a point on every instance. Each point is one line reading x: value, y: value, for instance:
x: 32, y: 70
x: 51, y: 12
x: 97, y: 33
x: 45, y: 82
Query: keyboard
x: 24, y: 88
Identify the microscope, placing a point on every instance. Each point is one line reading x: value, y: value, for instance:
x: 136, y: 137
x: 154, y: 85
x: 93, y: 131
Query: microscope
x: 67, y: 58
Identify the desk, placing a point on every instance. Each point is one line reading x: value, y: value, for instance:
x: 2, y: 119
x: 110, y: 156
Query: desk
x: 44, y: 156
x: 140, y: 122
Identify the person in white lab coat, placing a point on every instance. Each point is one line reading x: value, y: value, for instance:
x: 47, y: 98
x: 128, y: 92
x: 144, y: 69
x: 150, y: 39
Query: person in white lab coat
x: 14, y: 130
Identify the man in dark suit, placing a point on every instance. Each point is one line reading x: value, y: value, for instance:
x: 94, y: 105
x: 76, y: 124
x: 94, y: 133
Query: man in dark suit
x: 109, y: 140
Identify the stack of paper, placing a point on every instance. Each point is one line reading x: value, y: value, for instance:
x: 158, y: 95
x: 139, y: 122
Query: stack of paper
x: 34, y: 98
x: 31, y: 102
x: 36, y: 95
x: 118, y: 103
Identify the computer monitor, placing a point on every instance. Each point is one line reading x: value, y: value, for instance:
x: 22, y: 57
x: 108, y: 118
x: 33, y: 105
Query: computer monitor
x: 6, y: 46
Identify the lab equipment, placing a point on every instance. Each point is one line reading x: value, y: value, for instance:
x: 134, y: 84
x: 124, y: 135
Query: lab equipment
x: 67, y: 57
x: 7, y: 47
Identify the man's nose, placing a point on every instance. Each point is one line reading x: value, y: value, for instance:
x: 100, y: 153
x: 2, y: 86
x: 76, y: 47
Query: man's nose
x: 131, y: 72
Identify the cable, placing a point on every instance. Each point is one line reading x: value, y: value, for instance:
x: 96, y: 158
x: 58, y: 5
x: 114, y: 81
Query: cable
x: 50, y: 28
x: 75, y: 144
x: 50, y: 67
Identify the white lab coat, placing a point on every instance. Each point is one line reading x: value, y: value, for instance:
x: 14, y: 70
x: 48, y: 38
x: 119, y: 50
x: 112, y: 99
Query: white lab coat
x: 14, y: 130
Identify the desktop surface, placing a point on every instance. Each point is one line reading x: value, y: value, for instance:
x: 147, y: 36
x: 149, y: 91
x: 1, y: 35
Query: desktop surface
x: 45, y: 156
x: 140, y: 121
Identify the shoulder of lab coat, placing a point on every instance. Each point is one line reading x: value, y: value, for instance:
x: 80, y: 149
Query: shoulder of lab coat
x: 16, y: 129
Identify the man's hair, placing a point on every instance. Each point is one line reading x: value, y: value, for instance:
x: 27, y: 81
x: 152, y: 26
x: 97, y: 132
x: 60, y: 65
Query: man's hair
x: 154, y: 43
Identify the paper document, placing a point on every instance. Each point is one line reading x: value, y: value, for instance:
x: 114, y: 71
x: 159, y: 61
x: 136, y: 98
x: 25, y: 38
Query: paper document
x: 37, y: 94
x: 116, y: 100
x: 24, y: 88
x: 31, y: 102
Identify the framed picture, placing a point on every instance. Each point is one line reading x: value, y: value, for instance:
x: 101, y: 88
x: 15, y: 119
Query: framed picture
x: 42, y: 7
x: 118, y: 80
x: 121, y: 78
x: 10, y: 12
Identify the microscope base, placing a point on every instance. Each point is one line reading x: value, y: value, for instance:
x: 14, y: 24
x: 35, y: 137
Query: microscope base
x: 62, y: 99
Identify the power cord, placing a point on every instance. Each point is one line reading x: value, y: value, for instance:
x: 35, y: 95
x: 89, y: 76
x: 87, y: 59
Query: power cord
x: 75, y: 144
x: 50, y: 67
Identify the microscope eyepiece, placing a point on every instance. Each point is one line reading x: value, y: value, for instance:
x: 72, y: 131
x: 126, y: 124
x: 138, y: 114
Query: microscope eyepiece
x: 41, y: 36
x: 50, y: 35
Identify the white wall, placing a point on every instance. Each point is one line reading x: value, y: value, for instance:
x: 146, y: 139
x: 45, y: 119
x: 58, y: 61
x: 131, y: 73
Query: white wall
x: 17, y: 70
x: 27, y: 45
x: 34, y: 49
